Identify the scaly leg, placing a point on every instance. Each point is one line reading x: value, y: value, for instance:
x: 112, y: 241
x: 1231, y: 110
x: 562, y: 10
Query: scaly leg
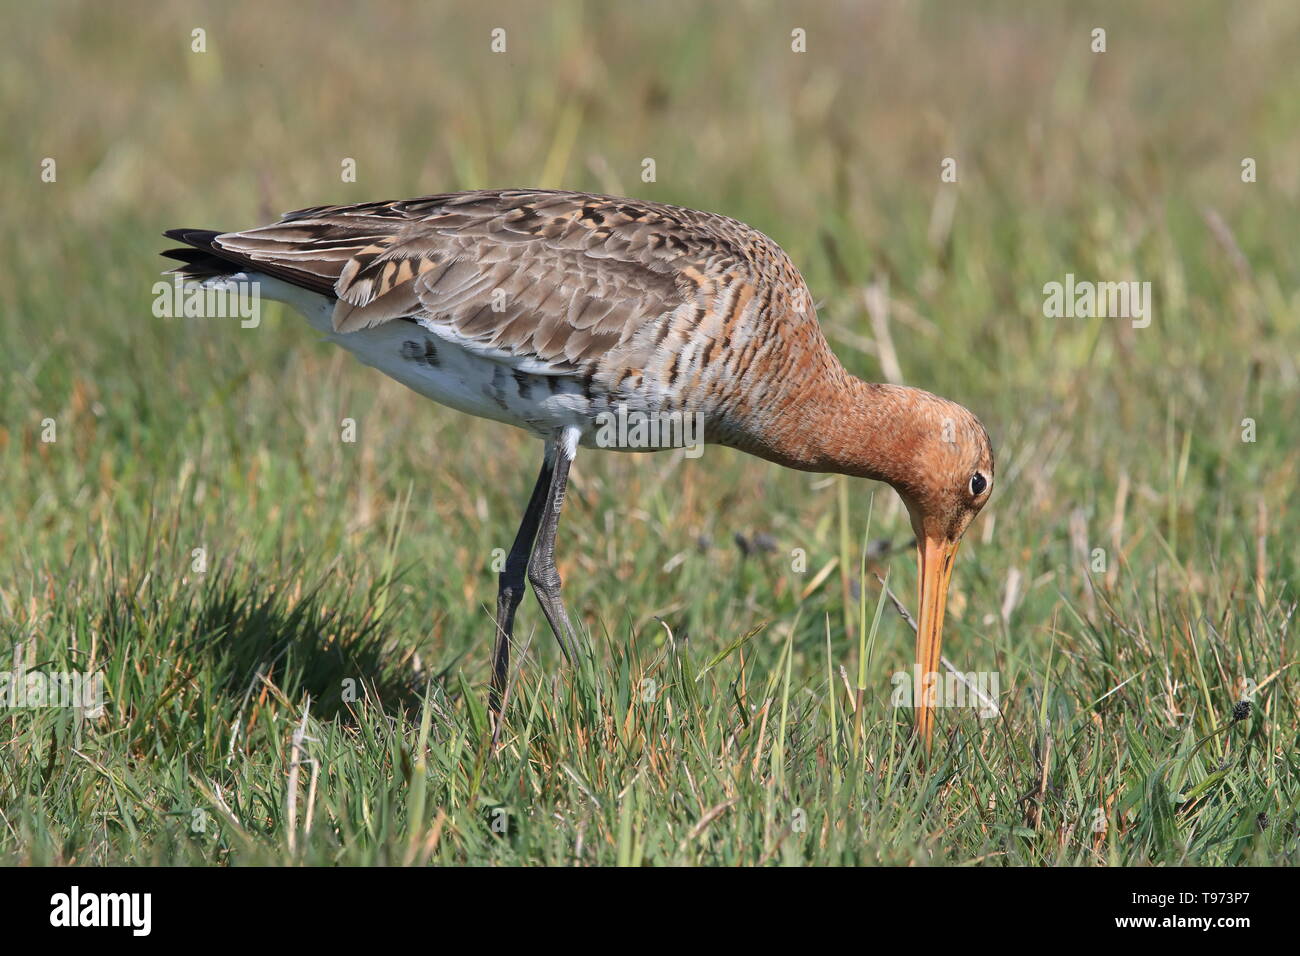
x: 541, y: 569
x: 510, y: 584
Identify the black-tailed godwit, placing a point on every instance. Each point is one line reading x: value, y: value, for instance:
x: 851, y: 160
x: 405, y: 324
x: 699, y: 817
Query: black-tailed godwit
x: 556, y: 311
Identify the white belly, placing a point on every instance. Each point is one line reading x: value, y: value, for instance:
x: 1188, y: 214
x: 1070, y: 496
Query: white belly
x: 440, y: 370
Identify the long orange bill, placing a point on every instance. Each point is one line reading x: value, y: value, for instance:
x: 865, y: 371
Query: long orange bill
x: 937, y: 557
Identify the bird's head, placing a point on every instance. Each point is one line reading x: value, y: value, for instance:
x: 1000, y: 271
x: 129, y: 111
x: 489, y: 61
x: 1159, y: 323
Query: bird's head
x: 949, y: 477
x: 946, y: 477
x: 933, y: 452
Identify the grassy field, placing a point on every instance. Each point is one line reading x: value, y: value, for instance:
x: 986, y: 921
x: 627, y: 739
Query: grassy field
x: 309, y: 686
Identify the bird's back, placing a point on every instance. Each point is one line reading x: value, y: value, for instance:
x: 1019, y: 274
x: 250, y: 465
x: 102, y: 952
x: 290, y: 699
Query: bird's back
x: 610, y: 302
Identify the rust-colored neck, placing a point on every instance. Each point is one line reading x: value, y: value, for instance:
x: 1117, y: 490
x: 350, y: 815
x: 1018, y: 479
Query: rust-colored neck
x: 844, y: 425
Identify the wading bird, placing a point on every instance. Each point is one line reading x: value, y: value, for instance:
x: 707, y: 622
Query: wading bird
x: 552, y: 311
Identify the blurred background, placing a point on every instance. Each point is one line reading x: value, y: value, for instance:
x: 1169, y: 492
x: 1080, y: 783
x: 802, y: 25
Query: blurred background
x: 176, y: 434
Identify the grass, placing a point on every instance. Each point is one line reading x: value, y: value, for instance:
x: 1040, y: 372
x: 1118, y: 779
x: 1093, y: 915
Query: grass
x: 309, y: 687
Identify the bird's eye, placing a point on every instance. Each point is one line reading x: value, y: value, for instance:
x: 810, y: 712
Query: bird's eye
x: 977, y: 484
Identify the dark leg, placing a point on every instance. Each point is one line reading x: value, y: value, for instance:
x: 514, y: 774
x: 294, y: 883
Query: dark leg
x: 510, y: 584
x: 541, y: 570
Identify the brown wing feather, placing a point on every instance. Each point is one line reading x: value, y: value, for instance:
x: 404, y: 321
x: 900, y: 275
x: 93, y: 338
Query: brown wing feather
x: 556, y: 276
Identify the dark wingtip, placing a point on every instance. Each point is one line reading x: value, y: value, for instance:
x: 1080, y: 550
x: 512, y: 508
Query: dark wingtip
x: 199, y: 238
x: 188, y: 254
x: 199, y: 258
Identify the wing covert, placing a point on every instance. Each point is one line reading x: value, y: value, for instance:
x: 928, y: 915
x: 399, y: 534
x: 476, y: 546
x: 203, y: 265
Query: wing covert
x: 553, y: 279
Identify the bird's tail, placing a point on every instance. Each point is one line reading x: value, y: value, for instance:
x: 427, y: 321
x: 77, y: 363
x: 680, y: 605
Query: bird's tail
x: 205, y: 258
x: 200, y: 259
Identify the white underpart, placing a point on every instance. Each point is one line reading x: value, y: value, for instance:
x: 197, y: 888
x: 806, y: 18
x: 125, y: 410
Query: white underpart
x: 569, y: 439
x: 428, y: 360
